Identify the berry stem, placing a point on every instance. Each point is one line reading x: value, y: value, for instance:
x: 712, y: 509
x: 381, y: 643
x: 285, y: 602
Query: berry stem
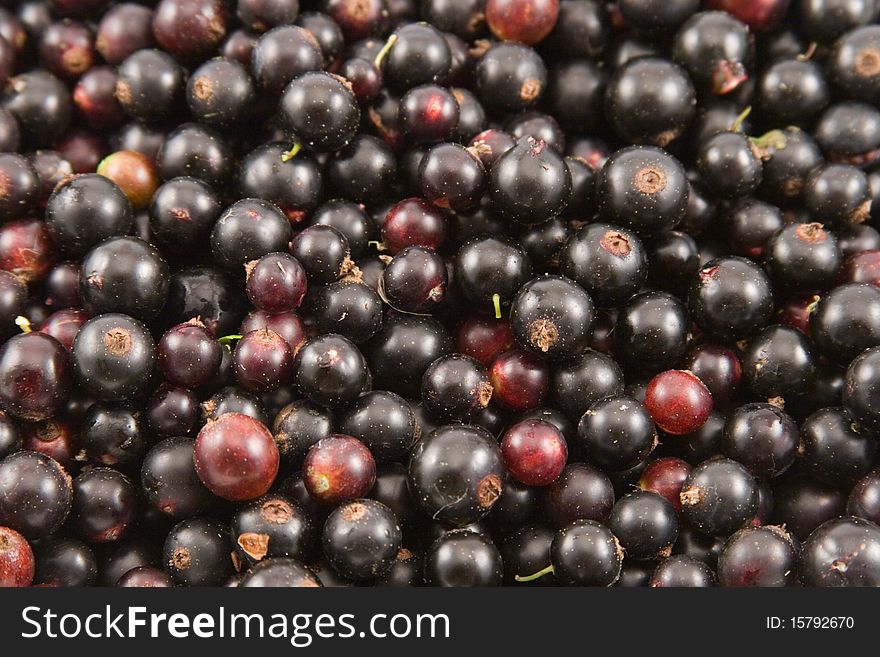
x: 496, y: 301
x: 286, y: 156
x: 807, y: 55
x: 530, y: 578
x: 737, y: 124
x: 380, y: 246
x: 23, y: 323
x: 226, y: 339
x: 773, y: 139
x: 385, y: 50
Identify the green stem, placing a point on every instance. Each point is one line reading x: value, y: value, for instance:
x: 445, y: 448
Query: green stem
x: 385, y: 50
x: 774, y: 139
x: 737, y: 124
x: 380, y: 246
x: 530, y: 578
x: 226, y: 339
x: 496, y: 301
x: 23, y: 323
x: 286, y: 156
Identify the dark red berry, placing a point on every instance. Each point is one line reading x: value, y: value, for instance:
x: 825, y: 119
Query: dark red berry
x: 526, y: 21
x: 276, y: 282
x: 678, y: 401
x: 413, y: 222
x: 236, y: 457
x: 16, y: 559
x: 189, y: 355
x: 483, y: 339
x: 34, y: 376
x: 519, y: 380
x: 262, y: 361
x: 534, y: 452
x: 338, y: 468
x: 665, y: 476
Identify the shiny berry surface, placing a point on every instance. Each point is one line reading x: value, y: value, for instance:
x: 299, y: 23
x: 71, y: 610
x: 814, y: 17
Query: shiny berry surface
x: 236, y: 457
x: 678, y: 401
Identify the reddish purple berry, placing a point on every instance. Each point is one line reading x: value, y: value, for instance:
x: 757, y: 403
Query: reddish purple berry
x: 534, y: 452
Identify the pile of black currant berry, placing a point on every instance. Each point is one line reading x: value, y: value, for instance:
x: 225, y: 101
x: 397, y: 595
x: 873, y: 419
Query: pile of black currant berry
x: 440, y: 292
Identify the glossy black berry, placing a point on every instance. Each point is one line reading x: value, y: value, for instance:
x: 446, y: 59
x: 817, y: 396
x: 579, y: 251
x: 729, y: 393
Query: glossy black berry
x: 364, y: 171
x: 270, y: 527
x: 169, y: 481
x: 298, y: 426
x: 105, y: 505
x: 324, y: 253
x: 849, y: 132
x: 853, y: 63
x: 861, y: 390
x: 529, y: 183
x: 320, y: 111
x: 729, y: 165
x: 761, y: 437
x: 551, y: 316
x: 682, y: 571
x: 65, y: 562
x: 803, y: 257
x: 41, y: 104
x: 113, y: 435
x: 642, y: 188
x: 779, y: 362
x: 578, y: 384
x: 124, y: 275
x: 247, y: 230
x: 586, y: 553
x: 716, y: 49
x: 845, y: 322
x: 349, y: 308
x: 282, y: 54
x: 452, y: 177
x: 384, y: 422
x: 361, y: 539
x: 645, y: 524
x: 730, y: 298
x: 415, y: 281
x: 150, y: 85
x: 330, y: 370
x: 35, y: 376
x: 609, y: 263
x: 455, y: 388
x: 280, y: 572
x: 196, y: 552
x: 651, y: 330
x: 793, y: 91
x: 85, y: 210
x: 489, y: 271
x: 182, y: 212
x: 510, y: 77
x: 841, y: 552
x: 348, y: 218
x: 834, y: 449
x: 719, y: 496
x: 418, y: 55
x: 403, y: 349
x: 456, y: 474
x: 838, y: 194
x: 220, y: 92
x: 650, y: 100
x: 758, y: 556
x: 35, y: 494
x: 461, y: 558
x: 114, y: 356
x: 617, y: 433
